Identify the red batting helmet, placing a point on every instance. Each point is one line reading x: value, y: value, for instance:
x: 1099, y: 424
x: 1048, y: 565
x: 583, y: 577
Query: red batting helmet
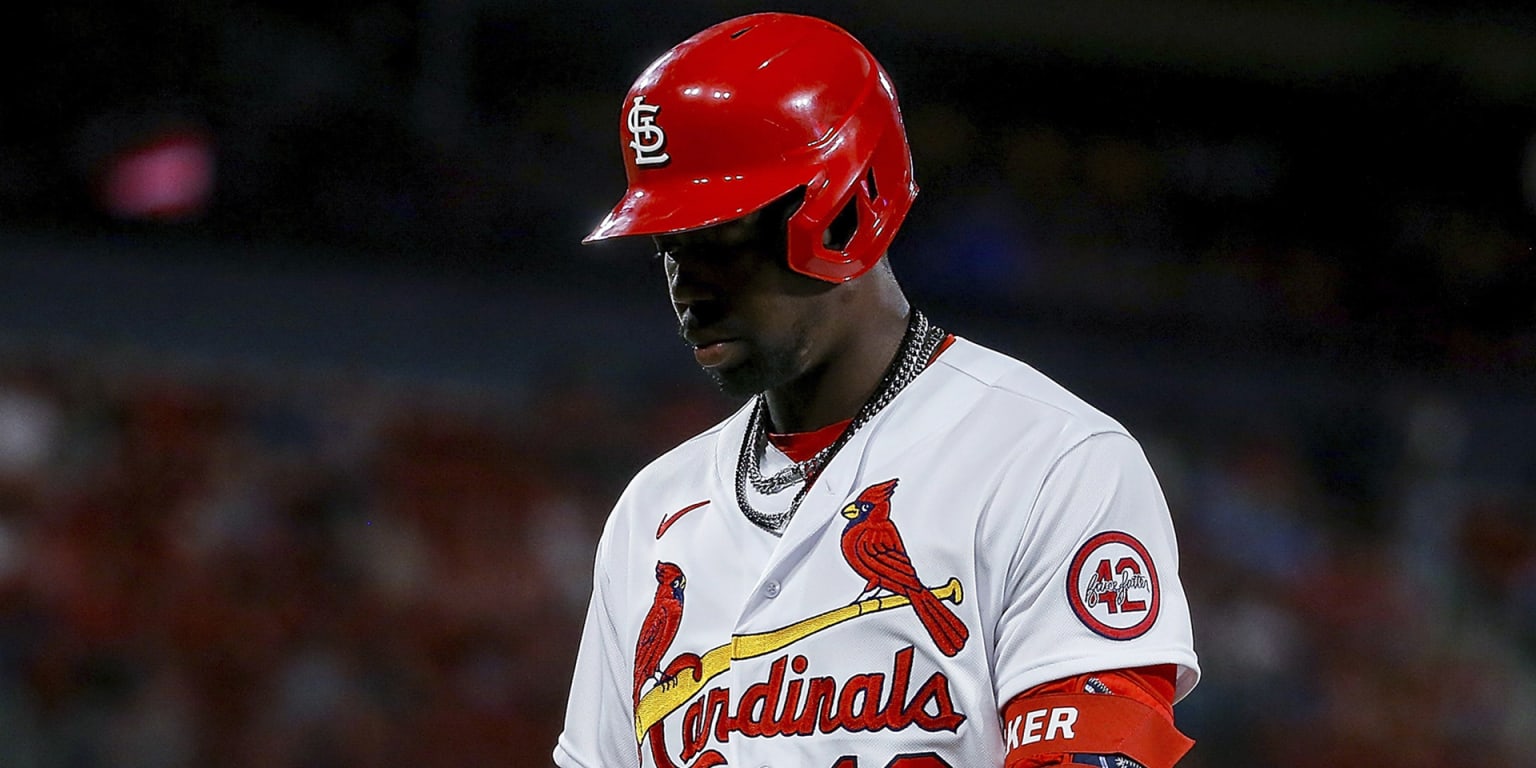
x: 747, y: 111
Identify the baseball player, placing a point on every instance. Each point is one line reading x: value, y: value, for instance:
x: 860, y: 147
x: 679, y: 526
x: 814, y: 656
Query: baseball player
x: 906, y: 550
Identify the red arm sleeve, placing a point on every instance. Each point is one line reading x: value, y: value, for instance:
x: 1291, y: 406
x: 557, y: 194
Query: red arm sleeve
x: 1120, y: 712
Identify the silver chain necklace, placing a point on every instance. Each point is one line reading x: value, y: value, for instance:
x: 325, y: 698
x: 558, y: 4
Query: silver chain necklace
x: 918, y: 345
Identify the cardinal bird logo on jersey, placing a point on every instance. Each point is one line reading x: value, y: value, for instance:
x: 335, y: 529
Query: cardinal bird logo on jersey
x: 873, y: 548
x: 660, y: 625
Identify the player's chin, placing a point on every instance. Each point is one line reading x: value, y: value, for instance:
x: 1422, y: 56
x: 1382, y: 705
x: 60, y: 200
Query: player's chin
x: 745, y: 377
x: 737, y: 380
x: 753, y: 369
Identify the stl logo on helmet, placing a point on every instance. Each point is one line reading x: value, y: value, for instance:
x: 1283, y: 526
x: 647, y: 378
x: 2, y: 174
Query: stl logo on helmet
x: 648, y: 139
x: 1112, y: 586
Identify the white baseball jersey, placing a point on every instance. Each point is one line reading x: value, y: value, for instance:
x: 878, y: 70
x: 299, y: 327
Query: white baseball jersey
x: 1034, y: 519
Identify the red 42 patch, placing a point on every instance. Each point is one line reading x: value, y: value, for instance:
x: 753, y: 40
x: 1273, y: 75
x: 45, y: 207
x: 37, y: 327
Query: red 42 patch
x: 1112, y: 586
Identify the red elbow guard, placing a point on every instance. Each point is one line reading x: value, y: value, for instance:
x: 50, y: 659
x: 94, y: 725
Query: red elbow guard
x: 1124, y: 712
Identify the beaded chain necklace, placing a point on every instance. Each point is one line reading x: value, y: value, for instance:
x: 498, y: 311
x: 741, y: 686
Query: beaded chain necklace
x: 918, y: 345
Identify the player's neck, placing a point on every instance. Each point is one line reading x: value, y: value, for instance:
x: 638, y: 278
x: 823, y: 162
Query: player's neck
x: 848, y: 375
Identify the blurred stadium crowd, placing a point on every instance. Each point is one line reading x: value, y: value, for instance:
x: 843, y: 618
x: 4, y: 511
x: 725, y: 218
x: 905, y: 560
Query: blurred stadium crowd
x: 1311, y: 299
x: 201, y: 566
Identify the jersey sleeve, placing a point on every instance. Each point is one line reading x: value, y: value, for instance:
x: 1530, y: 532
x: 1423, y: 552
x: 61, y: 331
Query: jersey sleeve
x: 599, y: 716
x: 1092, y: 581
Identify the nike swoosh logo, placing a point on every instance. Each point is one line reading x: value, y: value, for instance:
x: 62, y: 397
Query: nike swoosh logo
x: 672, y: 518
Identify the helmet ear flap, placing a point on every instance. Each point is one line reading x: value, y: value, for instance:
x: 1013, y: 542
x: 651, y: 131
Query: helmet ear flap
x: 813, y: 245
x: 840, y: 188
x: 874, y: 191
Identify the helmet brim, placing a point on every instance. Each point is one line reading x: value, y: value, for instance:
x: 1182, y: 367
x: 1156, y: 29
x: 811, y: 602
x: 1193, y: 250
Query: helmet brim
x: 663, y: 209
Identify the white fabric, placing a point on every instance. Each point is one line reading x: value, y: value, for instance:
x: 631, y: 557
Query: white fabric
x: 1003, y: 477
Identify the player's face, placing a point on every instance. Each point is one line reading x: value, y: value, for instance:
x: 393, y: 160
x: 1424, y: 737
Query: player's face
x: 752, y: 322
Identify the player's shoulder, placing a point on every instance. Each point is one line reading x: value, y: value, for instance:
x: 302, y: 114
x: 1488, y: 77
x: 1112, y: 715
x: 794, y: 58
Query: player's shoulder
x: 669, y: 481
x: 680, y: 466
x: 1012, y: 393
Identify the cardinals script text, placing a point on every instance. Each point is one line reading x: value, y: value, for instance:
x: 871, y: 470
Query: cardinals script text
x: 789, y: 704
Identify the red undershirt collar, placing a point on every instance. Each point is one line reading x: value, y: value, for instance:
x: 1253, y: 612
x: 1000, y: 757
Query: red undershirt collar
x: 799, y: 446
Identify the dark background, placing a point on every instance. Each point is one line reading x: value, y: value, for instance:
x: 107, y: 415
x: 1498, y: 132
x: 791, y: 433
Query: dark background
x: 311, y: 407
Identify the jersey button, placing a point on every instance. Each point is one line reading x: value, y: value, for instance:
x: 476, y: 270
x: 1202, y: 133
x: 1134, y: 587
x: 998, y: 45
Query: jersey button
x: 771, y: 589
